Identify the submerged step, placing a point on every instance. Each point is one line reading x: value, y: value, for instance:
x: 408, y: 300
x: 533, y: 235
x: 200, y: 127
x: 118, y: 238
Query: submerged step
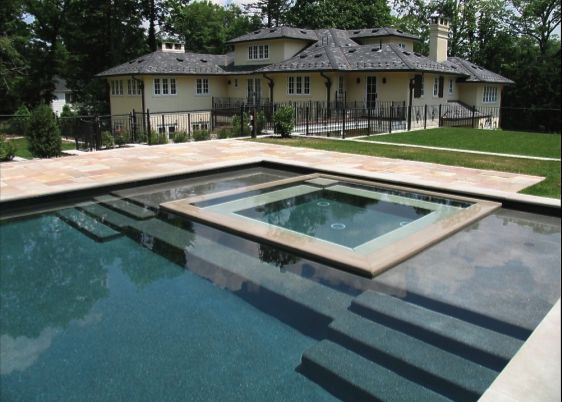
x: 107, y: 216
x: 353, y: 377
x: 87, y: 225
x: 471, y: 341
x: 442, y: 371
x: 125, y: 207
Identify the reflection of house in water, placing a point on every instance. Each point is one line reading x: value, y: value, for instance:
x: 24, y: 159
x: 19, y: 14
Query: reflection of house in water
x: 61, y: 96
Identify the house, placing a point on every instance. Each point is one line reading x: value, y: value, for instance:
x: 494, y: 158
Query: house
x: 367, y: 67
x: 61, y: 96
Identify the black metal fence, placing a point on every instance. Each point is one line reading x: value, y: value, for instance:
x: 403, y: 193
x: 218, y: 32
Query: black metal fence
x: 232, y: 117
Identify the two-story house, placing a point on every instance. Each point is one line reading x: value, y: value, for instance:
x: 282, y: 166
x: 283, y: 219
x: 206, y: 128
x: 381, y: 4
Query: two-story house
x: 285, y: 64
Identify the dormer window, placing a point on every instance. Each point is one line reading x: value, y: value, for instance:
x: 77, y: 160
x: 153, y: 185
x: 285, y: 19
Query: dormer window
x: 169, y: 45
x: 401, y: 45
x: 258, y: 52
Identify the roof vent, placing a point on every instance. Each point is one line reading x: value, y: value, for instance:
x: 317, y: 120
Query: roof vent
x: 407, y: 53
x: 140, y: 60
x: 356, y: 32
x: 317, y: 56
x: 374, y: 30
x: 179, y: 59
x: 304, y: 32
x: 256, y: 32
x: 351, y: 50
x: 203, y: 60
x: 399, y: 31
x: 417, y: 54
x: 303, y: 56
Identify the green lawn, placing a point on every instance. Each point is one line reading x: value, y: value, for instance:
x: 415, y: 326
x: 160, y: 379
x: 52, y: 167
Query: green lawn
x: 498, y: 141
x: 550, y: 187
x: 23, y: 152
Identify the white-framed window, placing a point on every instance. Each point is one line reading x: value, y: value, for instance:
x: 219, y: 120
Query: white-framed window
x: 116, y: 87
x: 133, y: 87
x: 199, y: 126
x: 450, y: 87
x: 422, y: 92
x: 202, y: 87
x: 490, y: 95
x: 298, y: 85
x: 258, y: 52
x: 157, y: 86
x: 402, y: 45
x: 165, y: 86
x: 436, y: 87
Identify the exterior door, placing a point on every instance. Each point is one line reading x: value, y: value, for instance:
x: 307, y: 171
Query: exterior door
x: 371, y: 91
x: 254, y: 91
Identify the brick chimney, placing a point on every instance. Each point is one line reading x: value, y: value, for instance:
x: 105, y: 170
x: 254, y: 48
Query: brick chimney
x: 438, y: 38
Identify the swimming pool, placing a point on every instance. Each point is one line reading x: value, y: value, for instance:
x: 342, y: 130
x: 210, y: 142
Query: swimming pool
x: 112, y: 298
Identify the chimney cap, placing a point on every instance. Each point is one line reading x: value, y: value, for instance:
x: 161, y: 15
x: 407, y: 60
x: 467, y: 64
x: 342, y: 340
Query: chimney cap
x: 439, y: 19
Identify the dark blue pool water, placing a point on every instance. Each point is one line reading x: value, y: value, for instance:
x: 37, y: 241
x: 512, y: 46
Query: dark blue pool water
x: 348, y: 220
x: 110, y: 300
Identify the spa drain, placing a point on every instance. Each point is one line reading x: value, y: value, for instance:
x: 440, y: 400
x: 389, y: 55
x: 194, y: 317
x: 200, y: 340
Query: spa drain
x: 323, y: 203
x: 337, y: 226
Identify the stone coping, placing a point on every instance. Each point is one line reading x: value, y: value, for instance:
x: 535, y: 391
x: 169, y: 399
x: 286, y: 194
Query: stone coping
x: 533, y: 374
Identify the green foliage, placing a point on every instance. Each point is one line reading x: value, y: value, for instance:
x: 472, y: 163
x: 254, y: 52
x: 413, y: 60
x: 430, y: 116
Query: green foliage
x: 121, y: 138
x: 224, y: 133
x: 283, y: 121
x: 350, y: 14
x: 237, y: 129
x: 20, y: 121
x: 7, y: 149
x: 107, y: 140
x: 43, y: 133
x: 201, y: 135
x: 67, y: 121
x: 180, y: 136
x: 158, y: 138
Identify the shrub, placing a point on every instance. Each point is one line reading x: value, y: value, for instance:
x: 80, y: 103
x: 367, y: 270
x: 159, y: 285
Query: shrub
x: 7, y: 149
x: 43, y: 134
x: 158, y: 138
x: 260, y: 122
x: 224, y: 133
x: 107, y: 140
x: 283, y: 121
x: 20, y: 121
x: 67, y: 121
x: 121, y: 138
x: 201, y: 135
x: 246, y: 130
x: 180, y: 136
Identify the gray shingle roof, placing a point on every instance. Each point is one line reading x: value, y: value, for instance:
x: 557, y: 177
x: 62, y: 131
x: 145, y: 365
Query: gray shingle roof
x: 360, y: 58
x: 476, y: 73
x: 277, y: 33
x: 173, y: 63
x: 380, y: 32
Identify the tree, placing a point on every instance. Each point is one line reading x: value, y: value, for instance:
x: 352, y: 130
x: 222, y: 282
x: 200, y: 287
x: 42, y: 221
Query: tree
x: 272, y: 11
x: 43, y: 134
x: 351, y: 14
x: 537, y: 19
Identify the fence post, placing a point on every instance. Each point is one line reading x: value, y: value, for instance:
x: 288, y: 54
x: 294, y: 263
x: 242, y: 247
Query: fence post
x: 307, y: 111
x: 254, y: 121
x: 242, y: 119
x: 343, y: 123
x: 147, y: 131
x: 425, y: 116
x: 440, y: 117
x: 473, y: 115
x: 369, y: 121
x: 97, y: 133
x: 390, y: 119
x: 410, y: 116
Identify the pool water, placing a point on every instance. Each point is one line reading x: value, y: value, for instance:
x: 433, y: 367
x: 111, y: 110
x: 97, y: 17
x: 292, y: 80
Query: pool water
x: 344, y: 219
x: 112, y: 299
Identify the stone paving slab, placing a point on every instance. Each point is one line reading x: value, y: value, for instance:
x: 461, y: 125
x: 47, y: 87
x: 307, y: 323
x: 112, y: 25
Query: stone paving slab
x: 48, y: 176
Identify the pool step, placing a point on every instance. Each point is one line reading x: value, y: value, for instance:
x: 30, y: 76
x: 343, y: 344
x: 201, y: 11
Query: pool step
x: 481, y: 345
x: 130, y: 209
x: 411, y: 358
x: 353, y: 377
x: 87, y: 225
x: 107, y: 216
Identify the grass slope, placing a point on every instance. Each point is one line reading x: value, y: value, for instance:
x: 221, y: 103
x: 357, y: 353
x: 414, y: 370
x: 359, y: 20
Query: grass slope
x: 550, y: 187
x: 23, y: 152
x: 506, y: 142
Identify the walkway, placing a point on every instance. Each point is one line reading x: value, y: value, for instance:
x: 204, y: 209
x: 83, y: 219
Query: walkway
x: 40, y: 177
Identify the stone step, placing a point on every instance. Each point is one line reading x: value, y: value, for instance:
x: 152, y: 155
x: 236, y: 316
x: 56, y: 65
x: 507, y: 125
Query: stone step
x: 437, y: 369
x: 123, y: 206
x: 87, y: 225
x: 481, y: 345
x: 352, y: 377
x: 107, y: 216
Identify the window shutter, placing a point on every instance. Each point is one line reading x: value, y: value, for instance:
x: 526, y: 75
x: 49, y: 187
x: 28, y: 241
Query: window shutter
x: 441, y: 85
x: 418, y: 86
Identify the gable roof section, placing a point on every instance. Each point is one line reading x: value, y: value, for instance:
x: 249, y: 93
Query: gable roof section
x: 379, y: 33
x: 359, y: 58
x: 277, y: 33
x: 476, y: 73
